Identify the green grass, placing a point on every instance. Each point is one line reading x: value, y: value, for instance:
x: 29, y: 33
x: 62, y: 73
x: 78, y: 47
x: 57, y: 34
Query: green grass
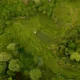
x: 66, y: 15
x: 22, y: 31
x: 45, y: 38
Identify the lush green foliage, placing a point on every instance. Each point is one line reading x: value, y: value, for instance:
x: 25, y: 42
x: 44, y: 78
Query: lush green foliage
x: 35, y: 74
x: 5, y: 56
x: 11, y: 46
x: 75, y: 56
x: 15, y: 65
x: 2, y: 67
x: 52, y: 53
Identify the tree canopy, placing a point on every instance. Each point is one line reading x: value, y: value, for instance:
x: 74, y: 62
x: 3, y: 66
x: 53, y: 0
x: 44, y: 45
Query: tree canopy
x: 15, y: 65
x: 35, y: 74
x: 75, y: 56
x: 11, y: 46
x: 4, y: 56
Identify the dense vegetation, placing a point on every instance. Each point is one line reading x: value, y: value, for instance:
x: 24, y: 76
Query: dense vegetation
x: 39, y: 40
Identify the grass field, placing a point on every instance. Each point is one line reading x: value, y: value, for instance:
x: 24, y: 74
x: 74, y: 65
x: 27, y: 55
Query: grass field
x: 47, y: 33
x: 36, y: 34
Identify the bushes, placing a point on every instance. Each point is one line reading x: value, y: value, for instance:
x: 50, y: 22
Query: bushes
x: 46, y: 7
x: 2, y: 67
x: 35, y: 74
x: 15, y: 65
x: 7, y: 59
x: 5, y: 56
x: 37, y: 1
x: 15, y: 8
x: 75, y: 56
x: 11, y: 46
x: 11, y: 9
x: 11, y: 63
x: 71, y: 47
